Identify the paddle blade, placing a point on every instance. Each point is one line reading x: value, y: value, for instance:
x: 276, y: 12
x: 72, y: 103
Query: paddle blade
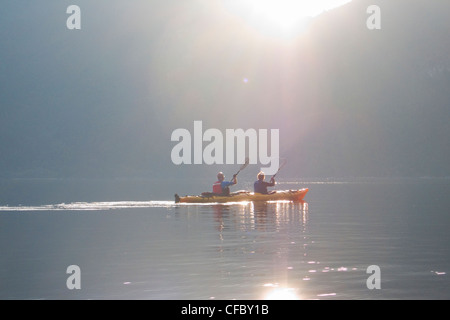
x: 247, y: 161
x: 282, y: 164
x: 243, y: 166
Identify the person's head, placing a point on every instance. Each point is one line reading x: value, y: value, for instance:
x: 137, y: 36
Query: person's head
x: 220, y: 176
x: 261, y: 176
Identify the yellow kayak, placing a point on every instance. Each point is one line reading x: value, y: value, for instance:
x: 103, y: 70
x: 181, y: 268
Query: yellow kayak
x: 288, y: 195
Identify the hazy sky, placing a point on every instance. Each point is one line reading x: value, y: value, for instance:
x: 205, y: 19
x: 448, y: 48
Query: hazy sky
x: 105, y: 99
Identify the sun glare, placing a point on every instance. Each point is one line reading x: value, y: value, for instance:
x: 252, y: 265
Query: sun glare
x: 281, y: 16
x: 282, y: 294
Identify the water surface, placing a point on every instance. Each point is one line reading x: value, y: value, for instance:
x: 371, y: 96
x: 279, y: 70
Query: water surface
x: 156, y: 249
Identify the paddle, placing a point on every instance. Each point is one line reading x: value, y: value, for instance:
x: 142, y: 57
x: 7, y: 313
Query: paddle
x: 247, y: 161
x: 283, y: 163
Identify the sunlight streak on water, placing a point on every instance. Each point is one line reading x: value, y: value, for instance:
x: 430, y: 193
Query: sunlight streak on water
x: 283, y: 294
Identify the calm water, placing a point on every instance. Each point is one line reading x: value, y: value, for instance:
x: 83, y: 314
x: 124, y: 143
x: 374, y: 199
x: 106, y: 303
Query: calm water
x: 129, y: 246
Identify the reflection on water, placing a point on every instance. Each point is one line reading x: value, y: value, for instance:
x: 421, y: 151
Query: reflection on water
x: 270, y: 238
x: 262, y: 216
x: 318, y: 249
x: 281, y: 293
x: 265, y: 250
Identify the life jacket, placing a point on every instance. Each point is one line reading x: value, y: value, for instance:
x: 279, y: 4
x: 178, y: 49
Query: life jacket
x: 260, y: 187
x: 217, y: 187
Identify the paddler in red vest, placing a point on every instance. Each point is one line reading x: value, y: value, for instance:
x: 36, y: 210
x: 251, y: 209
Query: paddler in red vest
x: 223, y: 187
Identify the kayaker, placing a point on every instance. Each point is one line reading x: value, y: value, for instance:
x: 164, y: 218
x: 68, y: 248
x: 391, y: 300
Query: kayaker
x: 260, y: 186
x: 223, y: 187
